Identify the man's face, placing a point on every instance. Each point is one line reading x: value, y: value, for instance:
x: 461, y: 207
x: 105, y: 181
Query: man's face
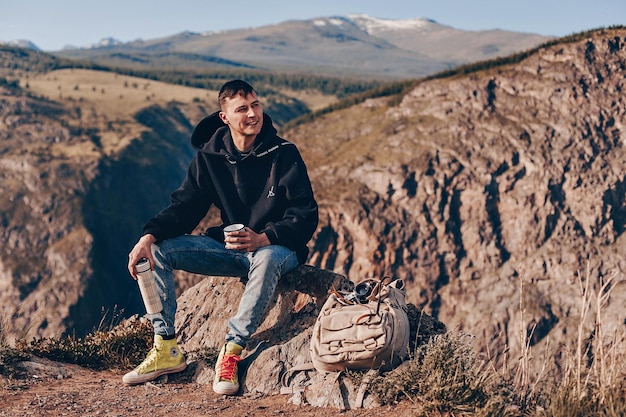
x: 244, y: 115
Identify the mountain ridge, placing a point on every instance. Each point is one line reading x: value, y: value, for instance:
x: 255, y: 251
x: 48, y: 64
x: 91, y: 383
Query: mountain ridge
x: 355, y: 45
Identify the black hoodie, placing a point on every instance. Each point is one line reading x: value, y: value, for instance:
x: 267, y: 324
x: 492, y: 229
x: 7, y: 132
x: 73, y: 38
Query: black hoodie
x: 267, y: 189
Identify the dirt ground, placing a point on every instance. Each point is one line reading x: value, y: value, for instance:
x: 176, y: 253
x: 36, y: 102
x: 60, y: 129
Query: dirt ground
x: 79, y: 392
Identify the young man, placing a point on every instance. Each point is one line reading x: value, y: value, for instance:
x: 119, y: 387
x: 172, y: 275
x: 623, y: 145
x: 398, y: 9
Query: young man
x: 253, y: 177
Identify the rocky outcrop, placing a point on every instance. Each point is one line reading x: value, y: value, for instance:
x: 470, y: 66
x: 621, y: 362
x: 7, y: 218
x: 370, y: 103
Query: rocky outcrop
x: 283, y: 338
x: 204, y: 309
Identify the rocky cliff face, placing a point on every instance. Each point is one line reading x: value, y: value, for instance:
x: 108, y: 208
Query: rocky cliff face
x: 44, y: 256
x: 483, y: 187
x: 69, y: 215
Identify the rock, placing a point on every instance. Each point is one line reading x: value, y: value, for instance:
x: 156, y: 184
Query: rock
x: 284, y: 335
x: 204, y: 309
x: 37, y: 367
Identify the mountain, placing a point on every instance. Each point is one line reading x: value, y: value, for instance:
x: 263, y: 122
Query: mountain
x: 103, y: 43
x: 355, y: 45
x: 23, y: 43
x: 494, y: 191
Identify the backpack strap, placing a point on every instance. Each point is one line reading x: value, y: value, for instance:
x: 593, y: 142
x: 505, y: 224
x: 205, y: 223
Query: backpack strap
x: 285, y: 379
x: 379, y: 292
x: 367, y: 378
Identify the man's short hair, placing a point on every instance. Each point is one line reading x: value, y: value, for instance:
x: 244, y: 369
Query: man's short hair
x: 233, y: 88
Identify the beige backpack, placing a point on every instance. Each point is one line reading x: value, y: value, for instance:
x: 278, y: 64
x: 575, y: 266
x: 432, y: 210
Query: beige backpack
x: 365, y: 329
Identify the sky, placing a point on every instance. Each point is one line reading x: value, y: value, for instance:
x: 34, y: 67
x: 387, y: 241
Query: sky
x: 52, y: 25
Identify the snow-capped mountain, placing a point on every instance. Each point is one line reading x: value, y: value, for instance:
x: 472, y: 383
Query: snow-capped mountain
x: 356, y: 44
x: 23, y: 43
x: 105, y: 43
x: 373, y: 25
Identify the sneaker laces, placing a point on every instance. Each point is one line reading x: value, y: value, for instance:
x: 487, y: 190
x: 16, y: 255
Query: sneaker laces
x: 150, y: 363
x: 227, y: 369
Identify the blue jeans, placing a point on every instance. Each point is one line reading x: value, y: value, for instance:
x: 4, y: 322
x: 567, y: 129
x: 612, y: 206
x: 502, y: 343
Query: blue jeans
x: 203, y: 255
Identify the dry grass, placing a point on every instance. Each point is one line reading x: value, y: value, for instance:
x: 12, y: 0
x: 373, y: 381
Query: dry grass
x: 122, y: 347
x: 592, y: 382
x: 117, y: 96
x: 109, y: 101
x: 119, y: 347
x: 447, y: 378
x: 314, y: 100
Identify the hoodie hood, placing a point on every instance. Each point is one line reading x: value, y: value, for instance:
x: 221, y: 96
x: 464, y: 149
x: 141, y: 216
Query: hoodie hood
x: 212, y: 136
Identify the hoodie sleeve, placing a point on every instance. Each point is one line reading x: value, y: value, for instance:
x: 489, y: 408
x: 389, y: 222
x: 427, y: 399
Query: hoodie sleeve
x: 300, y: 218
x: 188, y: 205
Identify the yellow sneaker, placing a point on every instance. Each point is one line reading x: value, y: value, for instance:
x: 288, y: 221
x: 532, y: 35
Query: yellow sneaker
x: 165, y: 357
x: 226, y: 380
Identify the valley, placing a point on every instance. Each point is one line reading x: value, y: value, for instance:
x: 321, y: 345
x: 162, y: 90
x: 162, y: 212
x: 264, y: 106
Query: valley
x: 493, y: 192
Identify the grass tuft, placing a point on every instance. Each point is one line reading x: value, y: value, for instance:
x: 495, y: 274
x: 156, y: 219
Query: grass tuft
x: 10, y: 362
x: 121, y: 347
x: 446, y: 376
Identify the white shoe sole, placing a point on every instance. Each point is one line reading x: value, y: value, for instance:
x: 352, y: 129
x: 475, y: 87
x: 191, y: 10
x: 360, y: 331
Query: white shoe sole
x: 133, y: 378
x: 225, y: 388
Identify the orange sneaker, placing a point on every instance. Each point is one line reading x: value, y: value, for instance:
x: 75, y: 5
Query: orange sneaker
x: 226, y: 379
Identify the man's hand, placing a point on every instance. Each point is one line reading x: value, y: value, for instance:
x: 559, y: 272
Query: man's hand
x: 246, y: 240
x: 142, y: 249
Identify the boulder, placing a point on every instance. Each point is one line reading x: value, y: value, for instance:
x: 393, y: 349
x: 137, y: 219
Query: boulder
x: 204, y: 309
x: 282, y: 340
